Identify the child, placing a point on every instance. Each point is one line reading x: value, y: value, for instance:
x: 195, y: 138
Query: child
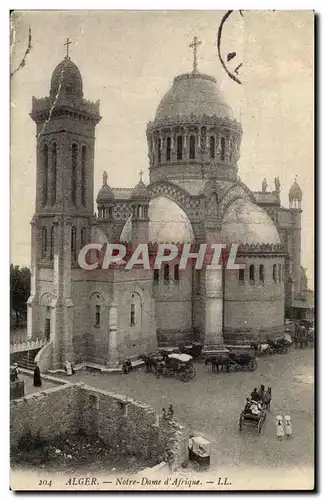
x: 288, y: 427
x: 280, y: 429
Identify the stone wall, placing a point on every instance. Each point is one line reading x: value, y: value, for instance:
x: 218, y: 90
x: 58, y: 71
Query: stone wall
x: 253, y: 309
x: 50, y: 413
x: 134, y: 287
x: 17, y: 389
x: 127, y: 426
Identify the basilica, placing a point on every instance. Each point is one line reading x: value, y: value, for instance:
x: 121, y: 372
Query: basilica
x: 194, y: 195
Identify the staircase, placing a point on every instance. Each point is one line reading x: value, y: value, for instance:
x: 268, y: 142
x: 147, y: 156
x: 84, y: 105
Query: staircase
x: 25, y: 359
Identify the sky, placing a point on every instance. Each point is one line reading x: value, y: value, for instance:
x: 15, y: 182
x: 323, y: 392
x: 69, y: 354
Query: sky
x: 128, y: 60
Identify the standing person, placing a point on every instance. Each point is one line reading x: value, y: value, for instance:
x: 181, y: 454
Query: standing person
x: 255, y: 395
x: 288, y: 427
x: 37, y: 377
x: 16, y: 372
x: 280, y: 428
x: 171, y: 412
x: 261, y: 393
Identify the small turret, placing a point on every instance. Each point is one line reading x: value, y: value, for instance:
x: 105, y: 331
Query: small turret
x: 295, y: 196
x: 140, y: 203
x: 105, y: 199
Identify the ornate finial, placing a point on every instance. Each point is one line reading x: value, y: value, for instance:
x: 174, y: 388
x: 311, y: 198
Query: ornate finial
x: 104, y: 178
x: 194, y: 45
x: 296, y: 176
x: 264, y: 185
x: 141, y: 174
x: 67, y: 43
x: 277, y: 184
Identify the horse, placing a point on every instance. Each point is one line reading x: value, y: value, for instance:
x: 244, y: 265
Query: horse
x: 301, y: 336
x: 243, y: 359
x: 267, y: 398
x: 150, y: 362
x: 217, y: 361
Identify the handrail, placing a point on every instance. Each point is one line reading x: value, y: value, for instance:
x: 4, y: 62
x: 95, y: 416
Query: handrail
x: 27, y: 345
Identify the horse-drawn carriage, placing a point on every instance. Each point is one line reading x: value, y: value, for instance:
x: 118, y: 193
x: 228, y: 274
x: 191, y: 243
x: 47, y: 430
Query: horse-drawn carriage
x: 252, y: 419
x: 255, y: 412
x: 227, y: 358
x: 280, y: 345
x: 194, y: 348
x: 176, y: 365
x: 152, y: 359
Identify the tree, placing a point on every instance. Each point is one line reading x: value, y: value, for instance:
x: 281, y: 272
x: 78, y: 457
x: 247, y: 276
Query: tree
x: 19, y: 291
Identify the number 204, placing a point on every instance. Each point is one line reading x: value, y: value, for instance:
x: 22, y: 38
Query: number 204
x: 45, y: 482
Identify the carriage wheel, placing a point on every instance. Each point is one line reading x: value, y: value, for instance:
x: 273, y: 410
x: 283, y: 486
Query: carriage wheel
x: 192, y: 372
x: 252, y: 365
x: 185, y: 377
x: 196, y: 465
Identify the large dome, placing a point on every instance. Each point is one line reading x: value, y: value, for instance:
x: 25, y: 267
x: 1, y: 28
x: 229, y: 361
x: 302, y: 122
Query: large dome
x: 247, y: 223
x: 193, y: 94
x: 67, y: 78
x: 168, y: 223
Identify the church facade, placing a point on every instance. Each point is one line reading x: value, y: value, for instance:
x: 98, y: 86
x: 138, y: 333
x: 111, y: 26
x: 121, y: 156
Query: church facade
x: 194, y: 196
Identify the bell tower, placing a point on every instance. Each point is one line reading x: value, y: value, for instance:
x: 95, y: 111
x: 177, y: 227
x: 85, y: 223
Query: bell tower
x: 65, y: 142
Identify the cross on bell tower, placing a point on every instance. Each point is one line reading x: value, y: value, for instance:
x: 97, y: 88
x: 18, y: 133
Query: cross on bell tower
x: 194, y: 45
x: 66, y: 44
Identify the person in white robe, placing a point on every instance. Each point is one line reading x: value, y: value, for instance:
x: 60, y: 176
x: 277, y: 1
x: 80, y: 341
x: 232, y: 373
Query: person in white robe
x: 280, y: 427
x: 288, y: 427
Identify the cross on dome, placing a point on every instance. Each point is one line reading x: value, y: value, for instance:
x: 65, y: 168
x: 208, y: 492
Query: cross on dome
x: 194, y: 45
x: 66, y: 44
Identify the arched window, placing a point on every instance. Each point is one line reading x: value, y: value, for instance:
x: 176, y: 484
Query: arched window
x: 83, y: 237
x: 74, y: 172
x: 73, y: 242
x: 45, y: 170
x: 132, y: 315
x: 176, y: 273
x: 168, y: 149
x: 156, y: 275
x: 44, y: 241
x: 97, y: 316
x: 52, y: 243
x: 223, y: 148
x: 159, y: 150
x: 274, y: 273
x: 192, y: 147
x: 83, y: 174
x: 252, y: 273
x: 179, y: 147
x: 261, y: 273
x: 54, y: 172
x: 241, y: 275
x: 212, y: 146
x: 166, y: 273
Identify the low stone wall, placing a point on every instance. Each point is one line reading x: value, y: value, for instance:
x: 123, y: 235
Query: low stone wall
x: 17, y: 389
x: 127, y: 426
